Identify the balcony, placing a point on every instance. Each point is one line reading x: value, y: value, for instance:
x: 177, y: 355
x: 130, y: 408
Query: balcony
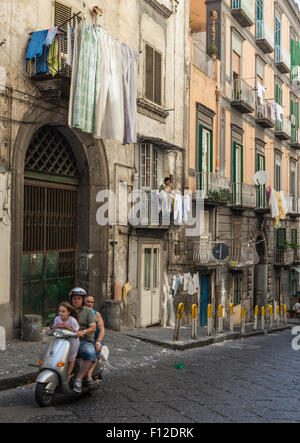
x: 202, y: 251
x: 52, y: 77
x: 293, y: 205
x: 296, y: 256
x: 284, y: 256
x: 295, y: 76
x: 203, y: 62
x: 215, y: 188
x: 264, y: 115
x: 243, y: 12
x: 295, y: 138
x: 242, y: 254
x: 282, y: 60
x: 152, y: 212
x: 283, y: 129
x: 242, y: 96
x: 261, y: 200
x: 264, y: 37
x: 243, y: 196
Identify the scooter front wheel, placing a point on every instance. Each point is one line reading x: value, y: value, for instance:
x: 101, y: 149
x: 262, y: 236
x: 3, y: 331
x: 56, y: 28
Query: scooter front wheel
x: 43, y: 397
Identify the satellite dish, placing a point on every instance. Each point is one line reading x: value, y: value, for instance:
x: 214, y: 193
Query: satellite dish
x: 260, y: 178
x: 220, y: 251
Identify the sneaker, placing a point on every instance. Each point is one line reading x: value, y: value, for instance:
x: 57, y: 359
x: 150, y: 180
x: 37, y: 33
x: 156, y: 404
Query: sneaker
x: 77, y: 386
x: 104, y: 353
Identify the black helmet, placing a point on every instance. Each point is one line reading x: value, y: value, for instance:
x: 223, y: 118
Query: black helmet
x: 77, y: 291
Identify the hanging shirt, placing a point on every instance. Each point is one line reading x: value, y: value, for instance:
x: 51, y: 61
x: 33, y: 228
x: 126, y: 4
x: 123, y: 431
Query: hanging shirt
x: 50, y: 36
x: 129, y: 76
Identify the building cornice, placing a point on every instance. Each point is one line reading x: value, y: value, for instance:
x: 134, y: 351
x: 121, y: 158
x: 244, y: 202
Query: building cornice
x: 161, y: 9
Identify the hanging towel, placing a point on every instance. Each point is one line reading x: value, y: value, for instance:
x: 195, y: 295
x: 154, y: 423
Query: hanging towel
x: 87, y: 88
x: 273, y: 111
x: 36, y: 44
x: 279, y: 112
x: 76, y: 50
x: 70, y: 44
x: 178, y: 209
x: 196, y: 280
x: 54, y: 58
x: 129, y: 76
x: 273, y: 203
x: 50, y: 36
x: 41, y: 64
x: 283, y: 201
x: 261, y: 92
x: 110, y: 103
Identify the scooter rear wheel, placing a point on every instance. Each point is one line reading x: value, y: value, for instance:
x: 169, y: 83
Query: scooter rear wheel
x: 43, y: 397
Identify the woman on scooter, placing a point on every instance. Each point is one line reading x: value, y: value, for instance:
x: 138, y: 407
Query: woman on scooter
x: 67, y: 319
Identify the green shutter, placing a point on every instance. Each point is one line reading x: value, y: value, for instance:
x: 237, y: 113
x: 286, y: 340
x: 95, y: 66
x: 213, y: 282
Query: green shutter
x: 211, y: 150
x: 242, y: 163
x: 234, y: 162
x: 281, y: 237
x: 200, y: 147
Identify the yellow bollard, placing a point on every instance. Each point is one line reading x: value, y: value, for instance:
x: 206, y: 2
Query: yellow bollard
x: 220, y: 319
x: 209, y: 320
x: 271, y: 315
x: 255, y: 318
x: 284, y: 315
x: 194, y: 322
x: 180, y: 311
x: 231, y: 317
x: 263, y: 318
x: 243, y: 320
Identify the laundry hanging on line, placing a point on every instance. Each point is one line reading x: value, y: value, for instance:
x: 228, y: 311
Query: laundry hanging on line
x: 104, y: 85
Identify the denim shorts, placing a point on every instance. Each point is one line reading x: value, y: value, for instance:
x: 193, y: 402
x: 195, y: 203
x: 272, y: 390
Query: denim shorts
x: 87, y: 351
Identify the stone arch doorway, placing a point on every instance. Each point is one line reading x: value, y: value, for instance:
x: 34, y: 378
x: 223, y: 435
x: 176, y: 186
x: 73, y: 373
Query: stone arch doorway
x: 260, y: 288
x: 92, y: 251
x: 50, y: 222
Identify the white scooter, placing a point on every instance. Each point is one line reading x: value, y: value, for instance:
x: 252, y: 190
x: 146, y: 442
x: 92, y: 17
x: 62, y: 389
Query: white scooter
x: 53, y: 376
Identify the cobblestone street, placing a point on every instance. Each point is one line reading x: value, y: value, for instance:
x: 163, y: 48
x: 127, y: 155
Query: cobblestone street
x: 253, y: 380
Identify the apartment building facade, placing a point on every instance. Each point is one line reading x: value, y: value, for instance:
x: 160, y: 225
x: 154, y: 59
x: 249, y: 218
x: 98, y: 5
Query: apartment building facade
x: 51, y: 174
x: 244, y: 119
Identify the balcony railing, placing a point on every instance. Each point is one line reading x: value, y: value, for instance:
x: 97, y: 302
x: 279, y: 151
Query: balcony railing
x: 283, y: 256
x: 202, y: 254
x: 203, y: 62
x: 264, y: 115
x: 243, y: 254
x: 283, y: 128
x: 242, y: 96
x: 295, y: 75
x: 215, y: 188
x: 51, y: 74
x: 243, y: 195
x: 295, y: 138
x: 243, y: 11
x: 261, y: 200
x: 293, y: 204
x: 264, y: 36
x: 282, y: 59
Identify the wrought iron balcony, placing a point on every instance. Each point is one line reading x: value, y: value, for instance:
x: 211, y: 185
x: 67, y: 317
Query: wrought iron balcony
x: 295, y: 76
x: 283, y: 128
x: 203, y: 62
x: 284, y: 256
x: 242, y: 96
x: 243, y: 196
x: 202, y: 252
x: 264, y: 37
x: 261, y: 200
x: 52, y: 75
x: 242, y: 254
x: 293, y: 204
x: 215, y: 188
x: 295, y: 138
x: 243, y: 12
x: 282, y: 59
x: 264, y: 114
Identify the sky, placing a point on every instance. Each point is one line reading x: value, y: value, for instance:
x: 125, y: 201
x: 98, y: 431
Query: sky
x: 298, y: 3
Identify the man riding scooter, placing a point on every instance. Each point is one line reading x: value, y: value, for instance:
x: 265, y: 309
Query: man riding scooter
x: 87, y: 323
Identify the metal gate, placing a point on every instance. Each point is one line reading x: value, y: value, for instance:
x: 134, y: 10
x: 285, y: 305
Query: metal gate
x: 50, y: 238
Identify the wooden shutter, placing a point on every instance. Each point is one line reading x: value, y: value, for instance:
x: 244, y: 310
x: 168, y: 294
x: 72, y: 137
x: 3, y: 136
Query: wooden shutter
x: 62, y: 13
x: 153, y: 75
x: 157, y: 78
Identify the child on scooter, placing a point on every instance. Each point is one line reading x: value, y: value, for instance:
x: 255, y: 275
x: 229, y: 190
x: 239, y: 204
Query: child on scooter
x: 67, y: 319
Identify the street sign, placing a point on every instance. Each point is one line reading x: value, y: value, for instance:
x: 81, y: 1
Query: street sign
x: 220, y: 251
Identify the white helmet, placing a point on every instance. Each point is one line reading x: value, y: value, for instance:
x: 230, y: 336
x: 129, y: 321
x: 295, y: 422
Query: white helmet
x: 77, y: 291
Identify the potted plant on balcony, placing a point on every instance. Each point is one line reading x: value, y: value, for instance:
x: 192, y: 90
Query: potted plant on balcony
x: 213, y: 51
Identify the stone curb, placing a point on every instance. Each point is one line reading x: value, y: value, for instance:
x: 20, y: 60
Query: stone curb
x: 15, y: 381
x: 207, y: 341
